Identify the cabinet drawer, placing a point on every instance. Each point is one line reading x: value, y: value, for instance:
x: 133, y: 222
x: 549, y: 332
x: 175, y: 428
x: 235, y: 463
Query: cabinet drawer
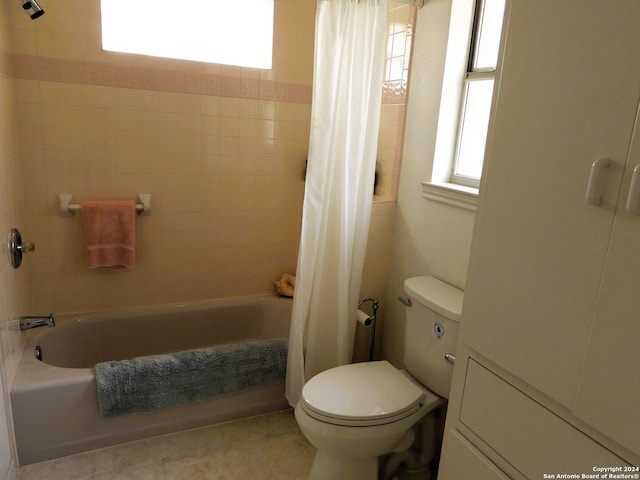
x: 531, y: 438
x: 462, y: 460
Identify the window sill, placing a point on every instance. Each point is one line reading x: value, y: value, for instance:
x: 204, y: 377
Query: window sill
x: 451, y: 194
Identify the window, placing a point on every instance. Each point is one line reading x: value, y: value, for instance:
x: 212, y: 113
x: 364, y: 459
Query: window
x: 467, y: 88
x: 216, y: 31
x: 477, y: 92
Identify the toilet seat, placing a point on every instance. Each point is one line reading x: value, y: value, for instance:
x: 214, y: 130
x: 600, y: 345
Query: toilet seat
x: 362, y: 394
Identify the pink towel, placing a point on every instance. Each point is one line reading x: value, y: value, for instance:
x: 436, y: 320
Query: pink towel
x: 110, y: 233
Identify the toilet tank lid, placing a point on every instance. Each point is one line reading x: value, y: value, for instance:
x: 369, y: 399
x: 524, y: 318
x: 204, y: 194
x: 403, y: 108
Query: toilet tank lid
x: 436, y: 295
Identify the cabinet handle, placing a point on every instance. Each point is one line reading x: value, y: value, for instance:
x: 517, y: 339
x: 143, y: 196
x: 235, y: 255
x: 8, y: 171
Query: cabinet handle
x: 593, y: 197
x: 633, y: 200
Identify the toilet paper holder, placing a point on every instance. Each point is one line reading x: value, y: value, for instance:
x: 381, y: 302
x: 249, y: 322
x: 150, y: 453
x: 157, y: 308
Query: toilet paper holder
x: 369, y: 321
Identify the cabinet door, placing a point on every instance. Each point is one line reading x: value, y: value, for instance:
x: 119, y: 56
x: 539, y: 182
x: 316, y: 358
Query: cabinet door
x: 462, y: 460
x: 567, y: 91
x: 609, y: 394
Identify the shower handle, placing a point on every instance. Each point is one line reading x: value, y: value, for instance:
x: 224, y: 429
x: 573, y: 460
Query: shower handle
x: 17, y: 248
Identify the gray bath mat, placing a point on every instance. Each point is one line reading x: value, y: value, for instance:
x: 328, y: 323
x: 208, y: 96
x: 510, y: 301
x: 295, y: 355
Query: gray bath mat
x: 153, y: 382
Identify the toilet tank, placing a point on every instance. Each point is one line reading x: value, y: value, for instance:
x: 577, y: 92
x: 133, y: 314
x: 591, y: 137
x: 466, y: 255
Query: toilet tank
x: 431, y: 332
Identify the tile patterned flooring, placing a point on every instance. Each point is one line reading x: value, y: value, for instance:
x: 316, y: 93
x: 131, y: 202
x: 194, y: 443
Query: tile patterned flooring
x: 267, y: 447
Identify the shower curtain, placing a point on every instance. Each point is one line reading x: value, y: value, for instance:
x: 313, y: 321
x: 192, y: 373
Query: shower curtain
x: 347, y: 91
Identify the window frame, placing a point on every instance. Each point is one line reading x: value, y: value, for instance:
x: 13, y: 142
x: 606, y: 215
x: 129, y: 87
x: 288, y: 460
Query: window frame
x: 472, y: 74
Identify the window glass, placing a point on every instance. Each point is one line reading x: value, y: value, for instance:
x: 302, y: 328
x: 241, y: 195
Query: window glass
x: 474, y: 128
x: 488, y: 34
x: 216, y: 31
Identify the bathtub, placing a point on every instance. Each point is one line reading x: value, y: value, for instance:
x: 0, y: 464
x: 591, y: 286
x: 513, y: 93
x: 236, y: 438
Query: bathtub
x: 54, y: 401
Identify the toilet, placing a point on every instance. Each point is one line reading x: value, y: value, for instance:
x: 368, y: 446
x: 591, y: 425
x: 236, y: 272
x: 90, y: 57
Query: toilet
x: 354, y: 414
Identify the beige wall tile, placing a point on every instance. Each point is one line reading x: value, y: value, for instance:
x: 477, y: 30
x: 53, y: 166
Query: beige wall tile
x: 221, y: 149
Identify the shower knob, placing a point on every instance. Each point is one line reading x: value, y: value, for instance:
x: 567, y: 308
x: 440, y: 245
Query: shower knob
x: 17, y: 248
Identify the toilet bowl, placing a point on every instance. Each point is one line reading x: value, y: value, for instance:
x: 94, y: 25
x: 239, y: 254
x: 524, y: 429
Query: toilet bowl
x: 352, y: 431
x: 353, y: 414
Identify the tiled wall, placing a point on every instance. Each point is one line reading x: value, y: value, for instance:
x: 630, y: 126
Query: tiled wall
x: 220, y: 149
x: 400, y: 24
x: 13, y: 283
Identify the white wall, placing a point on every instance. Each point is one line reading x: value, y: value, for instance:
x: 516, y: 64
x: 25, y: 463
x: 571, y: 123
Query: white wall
x: 429, y: 238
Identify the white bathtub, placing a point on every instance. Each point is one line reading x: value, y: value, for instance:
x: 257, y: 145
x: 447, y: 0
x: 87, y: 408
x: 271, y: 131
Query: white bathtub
x: 54, y: 401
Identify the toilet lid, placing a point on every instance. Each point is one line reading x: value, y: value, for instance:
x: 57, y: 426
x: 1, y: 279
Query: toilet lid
x: 369, y: 393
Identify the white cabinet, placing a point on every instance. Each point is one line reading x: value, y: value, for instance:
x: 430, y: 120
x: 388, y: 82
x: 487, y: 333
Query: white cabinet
x: 466, y: 461
x: 568, y: 93
x: 553, y: 293
x: 502, y: 416
x: 609, y: 393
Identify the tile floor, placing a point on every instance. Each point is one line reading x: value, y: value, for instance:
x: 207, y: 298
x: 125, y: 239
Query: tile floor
x: 267, y: 447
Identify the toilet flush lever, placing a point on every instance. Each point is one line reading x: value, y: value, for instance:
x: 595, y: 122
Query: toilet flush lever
x: 451, y: 358
x: 405, y: 301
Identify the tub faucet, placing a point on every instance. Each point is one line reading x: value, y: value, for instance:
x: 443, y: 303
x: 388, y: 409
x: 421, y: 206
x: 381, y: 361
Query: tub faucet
x: 32, y: 322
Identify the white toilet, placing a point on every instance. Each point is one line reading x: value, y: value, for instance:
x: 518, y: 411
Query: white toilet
x: 355, y: 413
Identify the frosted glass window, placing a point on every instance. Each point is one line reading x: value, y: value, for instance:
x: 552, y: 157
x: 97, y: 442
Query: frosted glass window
x: 217, y: 31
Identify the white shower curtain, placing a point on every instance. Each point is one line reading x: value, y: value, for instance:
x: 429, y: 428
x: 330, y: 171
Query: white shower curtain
x: 347, y: 91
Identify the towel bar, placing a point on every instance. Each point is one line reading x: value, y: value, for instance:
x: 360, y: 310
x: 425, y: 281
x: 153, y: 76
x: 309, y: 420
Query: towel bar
x: 68, y: 209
